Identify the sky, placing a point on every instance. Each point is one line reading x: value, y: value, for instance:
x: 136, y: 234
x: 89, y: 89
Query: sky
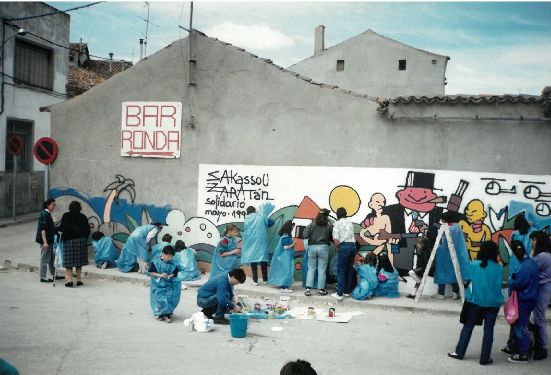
x: 495, y: 47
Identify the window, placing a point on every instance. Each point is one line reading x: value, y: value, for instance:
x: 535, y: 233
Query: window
x: 24, y: 160
x: 401, y: 64
x: 340, y: 65
x: 33, y: 65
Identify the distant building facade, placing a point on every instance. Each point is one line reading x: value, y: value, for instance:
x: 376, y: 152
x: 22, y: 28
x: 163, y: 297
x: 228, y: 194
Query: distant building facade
x: 34, y: 71
x: 372, y: 64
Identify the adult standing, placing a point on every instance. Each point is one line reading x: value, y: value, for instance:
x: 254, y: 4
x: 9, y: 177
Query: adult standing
x: 254, y: 249
x: 541, y: 249
x: 483, y: 299
x: 135, y: 248
x: 45, y: 237
x: 319, y: 234
x: 75, y: 231
x: 345, y: 244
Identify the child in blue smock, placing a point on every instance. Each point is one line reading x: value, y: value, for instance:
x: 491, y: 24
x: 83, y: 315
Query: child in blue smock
x: 106, y: 253
x: 388, y: 278
x: 367, y: 278
x: 226, y: 252
x: 522, y: 232
x: 157, y: 249
x: 136, y: 247
x: 444, y: 271
x: 186, y: 262
x: 282, y: 267
x: 165, y: 288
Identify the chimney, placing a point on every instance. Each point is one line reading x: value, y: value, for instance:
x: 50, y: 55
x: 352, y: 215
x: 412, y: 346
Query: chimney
x: 141, y: 48
x: 319, y: 35
x: 111, y: 63
x: 79, y: 61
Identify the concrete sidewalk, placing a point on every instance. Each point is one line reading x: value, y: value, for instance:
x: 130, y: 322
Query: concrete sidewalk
x: 19, y: 251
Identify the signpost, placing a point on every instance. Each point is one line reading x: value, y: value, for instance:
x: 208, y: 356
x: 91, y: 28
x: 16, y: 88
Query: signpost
x: 15, y: 144
x: 45, y: 151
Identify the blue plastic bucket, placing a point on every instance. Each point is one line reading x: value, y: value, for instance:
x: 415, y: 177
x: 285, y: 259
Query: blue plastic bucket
x: 238, y: 325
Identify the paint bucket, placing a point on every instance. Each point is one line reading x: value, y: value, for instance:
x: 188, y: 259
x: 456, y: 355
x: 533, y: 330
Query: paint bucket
x: 238, y: 325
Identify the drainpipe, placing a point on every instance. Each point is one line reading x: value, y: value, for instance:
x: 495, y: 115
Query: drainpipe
x: 141, y: 48
x: 111, y: 63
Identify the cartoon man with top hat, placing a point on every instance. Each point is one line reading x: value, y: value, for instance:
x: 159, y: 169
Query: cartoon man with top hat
x: 413, y: 216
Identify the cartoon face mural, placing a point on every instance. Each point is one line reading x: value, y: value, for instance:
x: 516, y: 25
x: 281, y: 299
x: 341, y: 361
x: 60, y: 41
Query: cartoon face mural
x: 474, y: 228
x: 418, y: 193
x: 194, y: 231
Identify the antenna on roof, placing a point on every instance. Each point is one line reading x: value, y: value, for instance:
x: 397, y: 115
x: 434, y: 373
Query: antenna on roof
x: 147, y: 23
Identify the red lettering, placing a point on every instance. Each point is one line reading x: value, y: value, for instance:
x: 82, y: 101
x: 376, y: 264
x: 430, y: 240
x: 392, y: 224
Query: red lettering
x: 174, y: 137
x: 151, y: 112
x: 169, y: 116
x: 135, y: 115
x: 158, y: 142
x: 138, y: 145
x: 126, y: 135
x: 148, y: 139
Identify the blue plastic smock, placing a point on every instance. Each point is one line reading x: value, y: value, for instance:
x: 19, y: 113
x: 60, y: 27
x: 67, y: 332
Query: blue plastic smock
x: 105, y: 252
x: 282, y: 267
x: 367, y: 282
x: 388, y: 288
x: 187, y: 265
x: 164, y: 293
x: 255, y: 236
x: 135, y: 246
x: 223, y: 265
x: 444, y: 272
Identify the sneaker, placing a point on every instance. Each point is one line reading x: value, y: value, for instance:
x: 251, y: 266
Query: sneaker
x: 346, y: 294
x: 286, y: 290
x: 255, y: 283
x: 517, y: 358
x: 506, y: 350
x: 455, y: 295
x: 308, y: 292
x: 168, y: 319
x: 337, y: 297
x: 104, y: 265
x: 160, y: 318
x: 411, y: 296
x: 322, y: 292
x: 488, y: 362
x: 438, y: 296
x: 264, y: 282
x: 454, y: 355
x: 221, y: 321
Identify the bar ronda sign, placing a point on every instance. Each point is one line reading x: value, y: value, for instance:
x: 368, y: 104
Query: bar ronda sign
x: 151, y: 129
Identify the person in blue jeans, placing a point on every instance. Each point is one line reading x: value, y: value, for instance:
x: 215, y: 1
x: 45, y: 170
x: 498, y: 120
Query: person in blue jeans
x: 319, y: 235
x: 216, y: 295
x: 483, y: 299
x: 525, y: 282
x: 345, y: 243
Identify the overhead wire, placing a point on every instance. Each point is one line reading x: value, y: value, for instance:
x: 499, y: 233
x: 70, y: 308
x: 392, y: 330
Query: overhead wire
x: 56, y: 12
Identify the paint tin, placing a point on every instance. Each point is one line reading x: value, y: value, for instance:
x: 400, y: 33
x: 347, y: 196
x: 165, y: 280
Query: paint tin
x: 311, y: 312
x: 331, y: 312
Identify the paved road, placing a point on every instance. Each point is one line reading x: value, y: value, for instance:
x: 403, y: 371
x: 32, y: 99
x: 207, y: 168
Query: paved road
x: 106, y: 327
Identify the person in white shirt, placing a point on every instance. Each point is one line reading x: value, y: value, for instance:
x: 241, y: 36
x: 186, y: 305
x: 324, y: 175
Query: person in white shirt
x: 345, y: 243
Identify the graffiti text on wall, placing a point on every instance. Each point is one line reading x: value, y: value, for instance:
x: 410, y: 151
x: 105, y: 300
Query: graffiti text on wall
x: 228, y: 193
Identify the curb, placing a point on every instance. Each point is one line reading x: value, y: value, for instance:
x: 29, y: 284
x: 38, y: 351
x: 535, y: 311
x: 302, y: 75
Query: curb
x: 319, y: 301
x: 19, y: 221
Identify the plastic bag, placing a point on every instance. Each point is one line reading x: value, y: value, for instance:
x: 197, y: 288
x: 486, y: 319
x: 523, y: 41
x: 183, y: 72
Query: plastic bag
x: 58, y: 251
x: 511, y: 308
x: 199, y: 322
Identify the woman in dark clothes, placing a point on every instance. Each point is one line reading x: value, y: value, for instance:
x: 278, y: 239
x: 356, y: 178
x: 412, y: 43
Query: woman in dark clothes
x: 76, y: 230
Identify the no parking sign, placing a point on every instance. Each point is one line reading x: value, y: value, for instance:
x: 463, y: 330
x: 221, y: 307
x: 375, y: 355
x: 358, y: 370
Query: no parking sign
x: 45, y: 150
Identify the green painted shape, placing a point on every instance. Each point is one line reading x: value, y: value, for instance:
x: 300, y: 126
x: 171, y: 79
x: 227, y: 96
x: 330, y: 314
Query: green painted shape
x: 132, y: 223
x: 121, y: 237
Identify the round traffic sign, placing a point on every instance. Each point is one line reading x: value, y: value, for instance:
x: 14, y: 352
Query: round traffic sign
x: 45, y: 150
x: 15, y: 144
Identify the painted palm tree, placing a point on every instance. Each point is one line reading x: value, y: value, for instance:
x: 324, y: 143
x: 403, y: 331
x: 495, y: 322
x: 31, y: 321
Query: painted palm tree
x: 116, y: 188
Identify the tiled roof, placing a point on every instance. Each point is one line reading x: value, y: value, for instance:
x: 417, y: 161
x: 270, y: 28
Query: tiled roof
x: 465, y: 99
x: 101, y: 67
x: 81, y: 80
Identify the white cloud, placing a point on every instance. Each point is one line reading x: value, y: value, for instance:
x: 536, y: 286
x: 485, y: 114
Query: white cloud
x: 253, y: 37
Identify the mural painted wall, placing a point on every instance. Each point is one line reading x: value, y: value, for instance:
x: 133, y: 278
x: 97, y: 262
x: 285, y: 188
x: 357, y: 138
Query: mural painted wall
x: 389, y: 207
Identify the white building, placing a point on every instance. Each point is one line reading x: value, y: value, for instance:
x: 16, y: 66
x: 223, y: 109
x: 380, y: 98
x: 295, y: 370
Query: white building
x: 375, y: 65
x: 33, y: 75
